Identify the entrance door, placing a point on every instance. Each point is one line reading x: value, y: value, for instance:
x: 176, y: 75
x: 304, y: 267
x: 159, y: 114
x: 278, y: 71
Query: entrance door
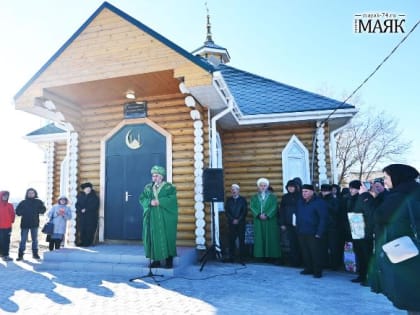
x: 130, y: 154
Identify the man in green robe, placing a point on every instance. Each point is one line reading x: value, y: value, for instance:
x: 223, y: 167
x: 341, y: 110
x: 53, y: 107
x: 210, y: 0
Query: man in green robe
x: 266, y: 230
x: 160, y: 219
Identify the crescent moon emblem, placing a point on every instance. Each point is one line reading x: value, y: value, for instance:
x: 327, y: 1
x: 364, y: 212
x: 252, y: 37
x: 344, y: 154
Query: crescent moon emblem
x: 132, y: 142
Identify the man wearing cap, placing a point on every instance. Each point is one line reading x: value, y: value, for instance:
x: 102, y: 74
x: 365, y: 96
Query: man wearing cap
x: 87, y: 207
x: 160, y: 219
x: 236, y: 209
x: 334, y: 258
x: 266, y: 230
x: 311, y: 219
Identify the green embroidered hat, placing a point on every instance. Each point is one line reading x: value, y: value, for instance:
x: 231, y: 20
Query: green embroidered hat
x: 158, y: 170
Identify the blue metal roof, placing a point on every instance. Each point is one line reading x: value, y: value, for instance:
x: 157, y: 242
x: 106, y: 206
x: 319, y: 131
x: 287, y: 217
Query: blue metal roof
x: 256, y: 95
x: 209, y: 45
x: 130, y: 19
x: 46, y: 130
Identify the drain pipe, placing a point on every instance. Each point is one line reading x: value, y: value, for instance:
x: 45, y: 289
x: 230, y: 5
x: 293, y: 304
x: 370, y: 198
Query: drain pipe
x: 213, y: 133
x: 213, y: 164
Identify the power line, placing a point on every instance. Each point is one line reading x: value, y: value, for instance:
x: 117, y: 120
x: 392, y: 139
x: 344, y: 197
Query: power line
x: 374, y: 71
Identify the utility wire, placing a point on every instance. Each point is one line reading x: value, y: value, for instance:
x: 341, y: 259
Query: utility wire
x: 374, y: 71
x: 357, y: 89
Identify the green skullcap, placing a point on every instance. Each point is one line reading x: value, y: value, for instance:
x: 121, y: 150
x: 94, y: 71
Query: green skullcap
x: 158, y: 170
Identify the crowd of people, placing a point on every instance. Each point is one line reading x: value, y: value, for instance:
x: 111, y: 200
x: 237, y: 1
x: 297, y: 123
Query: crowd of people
x: 310, y: 230
x: 31, y: 208
x: 305, y: 228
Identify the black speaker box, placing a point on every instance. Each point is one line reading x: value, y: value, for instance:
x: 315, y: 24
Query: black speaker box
x: 213, y: 184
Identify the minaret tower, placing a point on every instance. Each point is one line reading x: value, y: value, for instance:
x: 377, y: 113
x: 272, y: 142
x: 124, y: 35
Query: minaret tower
x: 215, y: 54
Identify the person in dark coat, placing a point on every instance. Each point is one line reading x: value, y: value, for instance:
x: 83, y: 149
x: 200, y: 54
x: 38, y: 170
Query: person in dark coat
x: 236, y: 208
x: 334, y: 260
x: 299, y: 183
x: 379, y: 194
x: 311, y: 223
x: 287, y: 221
x: 87, y: 207
x: 363, y: 247
x: 358, y: 244
x: 335, y: 191
x: 29, y: 209
x: 344, y: 234
x: 399, y: 282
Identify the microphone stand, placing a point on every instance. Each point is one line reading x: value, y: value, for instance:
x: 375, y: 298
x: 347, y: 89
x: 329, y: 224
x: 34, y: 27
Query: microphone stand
x: 150, y: 274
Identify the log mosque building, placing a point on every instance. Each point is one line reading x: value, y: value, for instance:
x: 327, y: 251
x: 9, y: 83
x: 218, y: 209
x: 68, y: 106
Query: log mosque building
x: 121, y: 97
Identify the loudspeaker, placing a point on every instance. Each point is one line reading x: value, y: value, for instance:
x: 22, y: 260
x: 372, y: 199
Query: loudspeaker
x: 213, y: 184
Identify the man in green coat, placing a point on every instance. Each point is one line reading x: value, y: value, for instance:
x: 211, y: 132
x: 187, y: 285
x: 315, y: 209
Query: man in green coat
x: 160, y: 218
x: 266, y: 230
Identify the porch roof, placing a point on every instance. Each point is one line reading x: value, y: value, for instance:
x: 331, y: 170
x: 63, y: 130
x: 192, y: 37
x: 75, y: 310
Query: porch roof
x: 105, y: 5
x: 46, y: 130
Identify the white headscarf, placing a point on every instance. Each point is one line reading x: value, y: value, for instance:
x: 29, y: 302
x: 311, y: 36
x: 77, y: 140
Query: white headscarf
x: 236, y: 186
x: 263, y: 180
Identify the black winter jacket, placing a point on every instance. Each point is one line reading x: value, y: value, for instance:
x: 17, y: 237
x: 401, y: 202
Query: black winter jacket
x: 288, y: 207
x: 236, y: 209
x: 30, y: 209
x: 90, y: 202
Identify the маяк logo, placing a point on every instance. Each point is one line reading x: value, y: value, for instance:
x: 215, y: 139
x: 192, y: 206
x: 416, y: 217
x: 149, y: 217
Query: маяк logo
x: 379, y: 23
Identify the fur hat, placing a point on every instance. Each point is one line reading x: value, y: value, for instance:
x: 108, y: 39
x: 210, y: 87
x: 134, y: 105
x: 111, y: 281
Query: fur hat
x: 326, y: 187
x: 308, y: 186
x: 86, y: 185
x: 356, y: 184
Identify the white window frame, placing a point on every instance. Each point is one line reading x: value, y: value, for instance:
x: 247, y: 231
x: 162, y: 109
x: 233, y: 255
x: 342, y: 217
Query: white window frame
x: 295, y: 150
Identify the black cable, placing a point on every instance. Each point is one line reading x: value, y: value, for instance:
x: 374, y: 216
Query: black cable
x: 357, y: 89
x: 374, y: 71
x: 204, y: 278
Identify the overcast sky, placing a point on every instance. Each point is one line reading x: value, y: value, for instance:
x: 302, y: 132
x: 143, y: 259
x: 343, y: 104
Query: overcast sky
x: 309, y: 44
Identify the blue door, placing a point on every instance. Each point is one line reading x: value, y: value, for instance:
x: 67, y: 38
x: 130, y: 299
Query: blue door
x: 130, y: 154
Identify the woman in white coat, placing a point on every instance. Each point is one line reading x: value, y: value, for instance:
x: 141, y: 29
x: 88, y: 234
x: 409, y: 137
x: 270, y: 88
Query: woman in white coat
x: 59, y: 214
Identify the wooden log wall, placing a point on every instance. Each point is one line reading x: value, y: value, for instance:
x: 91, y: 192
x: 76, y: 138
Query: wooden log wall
x: 253, y: 153
x: 170, y: 113
x: 249, y: 154
x: 60, y: 151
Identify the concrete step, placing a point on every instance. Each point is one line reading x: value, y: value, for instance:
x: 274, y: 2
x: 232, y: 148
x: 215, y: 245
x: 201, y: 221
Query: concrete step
x: 126, y: 260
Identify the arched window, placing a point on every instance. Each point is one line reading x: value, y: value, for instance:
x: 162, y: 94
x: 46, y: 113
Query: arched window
x: 295, y: 161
